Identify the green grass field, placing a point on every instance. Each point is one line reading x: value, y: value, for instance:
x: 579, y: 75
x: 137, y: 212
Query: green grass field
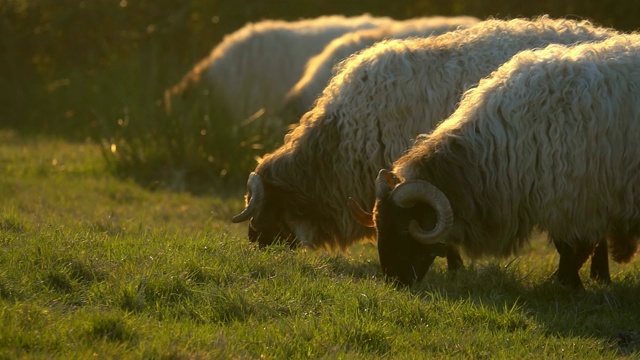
x: 92, y: 265
x: 115, y: 232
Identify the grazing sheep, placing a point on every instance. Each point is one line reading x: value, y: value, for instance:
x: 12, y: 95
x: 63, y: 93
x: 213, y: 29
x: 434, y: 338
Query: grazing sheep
x: 254, y: 67
x: 318, y: 70
x: 368, y: 115
x: 548, y: 141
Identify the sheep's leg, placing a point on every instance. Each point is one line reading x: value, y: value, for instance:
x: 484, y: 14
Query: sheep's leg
x: 253, y: 234
x: 600, y: 263
x: 572, y: 257
x: 454, y: 260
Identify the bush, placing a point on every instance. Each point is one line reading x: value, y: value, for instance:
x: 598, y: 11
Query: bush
x: 98, y: 69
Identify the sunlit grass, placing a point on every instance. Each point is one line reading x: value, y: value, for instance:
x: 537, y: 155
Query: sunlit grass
x: 92, y: 264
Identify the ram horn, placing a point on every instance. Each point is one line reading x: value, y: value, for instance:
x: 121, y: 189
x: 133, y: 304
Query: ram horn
x: 255, y: 194
x: 409, y: 193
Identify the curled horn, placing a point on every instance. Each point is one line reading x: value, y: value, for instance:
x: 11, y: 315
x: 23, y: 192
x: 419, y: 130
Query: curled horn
x: 409, y: 193
x: 255, y: 191
x: 385, y: 182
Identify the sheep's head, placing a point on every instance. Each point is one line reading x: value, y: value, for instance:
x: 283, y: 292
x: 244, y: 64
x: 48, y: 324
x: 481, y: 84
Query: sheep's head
x: 401, y: 213
x: 266, y: 214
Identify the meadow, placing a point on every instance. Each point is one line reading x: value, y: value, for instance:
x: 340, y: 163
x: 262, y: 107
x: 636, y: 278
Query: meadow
x: 116, y: 240
x: 92, y: 265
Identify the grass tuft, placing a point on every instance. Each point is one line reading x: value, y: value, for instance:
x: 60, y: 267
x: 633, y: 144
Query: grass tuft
x: 112, y: 328
x: 7, y: 292
x: 60, y: 280
x: 11, y: 224
x: 132, y: 300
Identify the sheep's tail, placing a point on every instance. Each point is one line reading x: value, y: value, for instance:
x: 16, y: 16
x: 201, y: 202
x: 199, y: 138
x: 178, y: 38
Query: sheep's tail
x: 186, y: 83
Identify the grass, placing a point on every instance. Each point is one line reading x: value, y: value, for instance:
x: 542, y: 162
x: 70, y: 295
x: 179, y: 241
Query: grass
x: 94, y: 265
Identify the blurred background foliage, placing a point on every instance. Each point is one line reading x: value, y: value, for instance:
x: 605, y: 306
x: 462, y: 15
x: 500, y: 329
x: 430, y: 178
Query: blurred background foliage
x: 97, y: 69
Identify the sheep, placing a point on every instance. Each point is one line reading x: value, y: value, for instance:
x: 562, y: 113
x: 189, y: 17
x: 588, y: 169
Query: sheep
x: 368, y: 115
x: 549, y: 141
x: 318, y: 70
x: 253, y: 68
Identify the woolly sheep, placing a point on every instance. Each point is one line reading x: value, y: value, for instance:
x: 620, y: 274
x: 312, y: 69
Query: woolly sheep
x: 368, y: 115
x: 318, y: 70
x: 255, y: 66
x: 548, y: 141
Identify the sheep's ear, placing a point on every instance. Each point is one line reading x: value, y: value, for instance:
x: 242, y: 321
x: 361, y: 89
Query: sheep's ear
x: 385, y: 182
x: 361, y: 216
x: 389, y: 178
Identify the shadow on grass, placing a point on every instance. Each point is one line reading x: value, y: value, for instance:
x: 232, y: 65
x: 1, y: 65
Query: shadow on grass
x: 527, y: 292
x: 607, y: 312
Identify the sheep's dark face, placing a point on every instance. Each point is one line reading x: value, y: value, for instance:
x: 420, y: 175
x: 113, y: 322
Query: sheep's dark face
x: 403, y: 259
x: 274, y: 234
x: 270, y: 226
x: 279, y: 212
x: 266, y: 212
